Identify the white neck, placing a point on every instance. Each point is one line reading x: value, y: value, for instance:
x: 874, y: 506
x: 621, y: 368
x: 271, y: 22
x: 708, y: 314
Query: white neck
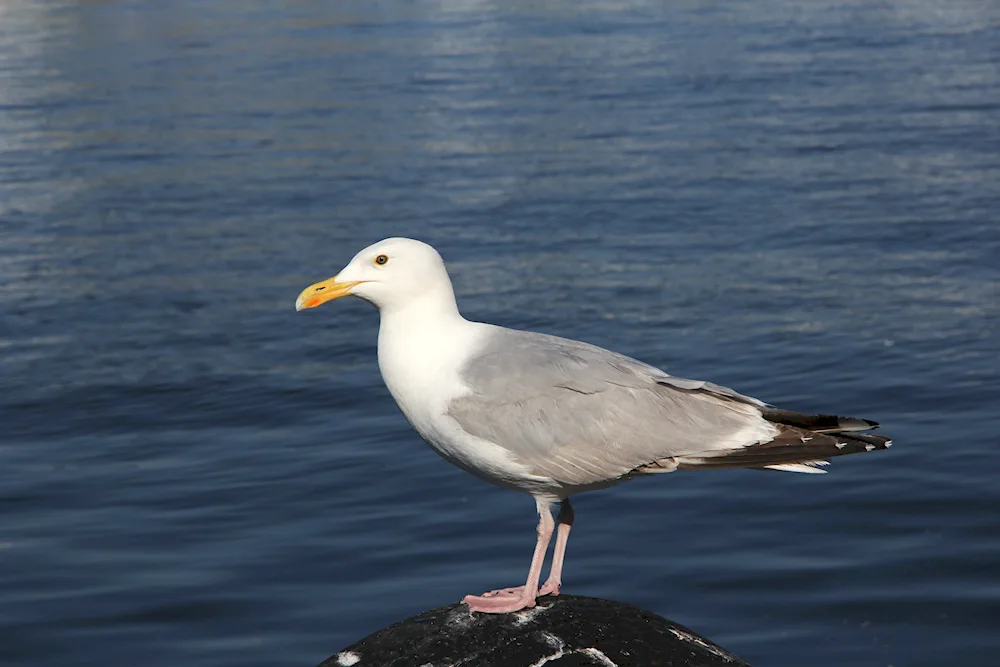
x: 421, y: 347
x: 432, y: 310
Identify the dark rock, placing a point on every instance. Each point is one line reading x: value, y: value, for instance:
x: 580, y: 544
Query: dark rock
x: 564, y: 631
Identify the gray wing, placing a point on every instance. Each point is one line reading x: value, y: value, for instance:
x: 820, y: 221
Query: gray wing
x: 580, y: 414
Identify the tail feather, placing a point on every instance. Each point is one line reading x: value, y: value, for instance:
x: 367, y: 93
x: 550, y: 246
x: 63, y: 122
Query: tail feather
x: 794, y: 449
x: 811, y: 467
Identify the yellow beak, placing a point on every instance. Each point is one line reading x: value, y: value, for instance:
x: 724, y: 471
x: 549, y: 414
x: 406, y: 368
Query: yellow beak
x: 321, y: 292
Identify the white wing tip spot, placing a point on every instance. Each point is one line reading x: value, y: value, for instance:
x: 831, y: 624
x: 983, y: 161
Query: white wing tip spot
x: 869, y: 448
x: 841, y: 445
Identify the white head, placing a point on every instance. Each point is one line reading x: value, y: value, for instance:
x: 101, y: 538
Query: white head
x: 392, y: 274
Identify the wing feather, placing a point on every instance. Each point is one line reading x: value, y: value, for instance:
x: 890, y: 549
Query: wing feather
x: 580, y: 414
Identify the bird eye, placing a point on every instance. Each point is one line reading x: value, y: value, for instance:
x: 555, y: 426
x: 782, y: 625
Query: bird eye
x: 381, y: 259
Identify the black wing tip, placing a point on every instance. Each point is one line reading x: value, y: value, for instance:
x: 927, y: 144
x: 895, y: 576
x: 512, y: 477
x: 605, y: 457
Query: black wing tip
x: 793, y: 446
x: 857, y: 424
x: 819, y: 423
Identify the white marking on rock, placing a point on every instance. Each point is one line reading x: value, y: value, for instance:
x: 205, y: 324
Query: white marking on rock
x: 462, y: 617
x: 700, y: 642
x: 348, y: 658
x: 594, y: 653
x: 528, y: 615
x: 601, y: 658
x: 549, y: 658
x: 555, y: 643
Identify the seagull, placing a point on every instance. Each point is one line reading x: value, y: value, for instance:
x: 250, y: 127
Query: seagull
x: 551, y: 416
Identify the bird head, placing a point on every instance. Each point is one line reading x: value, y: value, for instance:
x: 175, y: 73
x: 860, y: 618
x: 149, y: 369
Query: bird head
x: 390, y: 274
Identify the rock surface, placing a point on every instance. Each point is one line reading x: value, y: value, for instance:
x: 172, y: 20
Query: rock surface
x: 564, y: 631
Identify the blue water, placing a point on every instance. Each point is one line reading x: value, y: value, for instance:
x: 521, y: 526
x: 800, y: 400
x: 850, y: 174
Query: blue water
x: 798, y: 200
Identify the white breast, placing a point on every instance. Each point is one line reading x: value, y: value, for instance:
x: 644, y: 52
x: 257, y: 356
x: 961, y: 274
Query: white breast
x: 421, y: 367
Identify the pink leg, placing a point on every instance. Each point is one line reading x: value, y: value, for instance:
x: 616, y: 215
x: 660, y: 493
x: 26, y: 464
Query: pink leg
x: 565, y: 521
x: 508, y: 600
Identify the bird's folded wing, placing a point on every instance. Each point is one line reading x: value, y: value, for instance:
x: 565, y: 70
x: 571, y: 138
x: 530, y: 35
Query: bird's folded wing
x: 580, y: 414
